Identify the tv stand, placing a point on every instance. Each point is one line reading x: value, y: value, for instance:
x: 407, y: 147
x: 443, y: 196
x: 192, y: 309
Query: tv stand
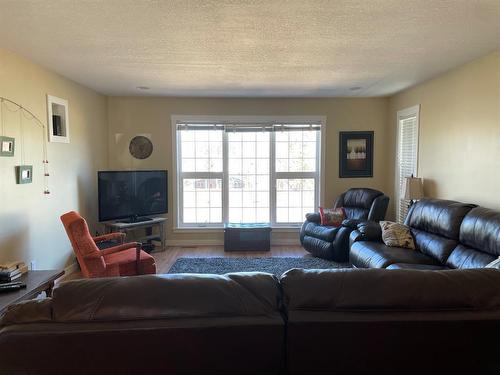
x: 136, y: 219
x: 148, y: 225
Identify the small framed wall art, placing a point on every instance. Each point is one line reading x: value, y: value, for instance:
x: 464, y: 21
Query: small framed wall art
x: 7, y: 146
x: 24, y: 174
x: 58, y: 121
x: 356, y: 154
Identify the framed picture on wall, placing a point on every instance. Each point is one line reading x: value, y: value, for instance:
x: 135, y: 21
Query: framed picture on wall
x: 356, y: 154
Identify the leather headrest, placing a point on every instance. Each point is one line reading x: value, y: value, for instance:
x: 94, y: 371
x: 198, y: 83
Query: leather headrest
x: 360, y: 197
x: 438, y: 216
x: 381, y: 289
x: 480, y: 230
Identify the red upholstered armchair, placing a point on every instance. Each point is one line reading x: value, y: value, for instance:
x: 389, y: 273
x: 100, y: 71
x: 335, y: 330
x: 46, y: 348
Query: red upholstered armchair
x: 123, y: 260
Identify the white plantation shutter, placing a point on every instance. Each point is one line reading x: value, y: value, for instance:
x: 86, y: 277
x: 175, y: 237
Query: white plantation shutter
x: 407, y: 155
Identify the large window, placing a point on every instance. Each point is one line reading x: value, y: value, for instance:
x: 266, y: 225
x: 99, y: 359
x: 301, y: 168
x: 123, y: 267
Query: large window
x: 246, y: 173
x: 407, y: 155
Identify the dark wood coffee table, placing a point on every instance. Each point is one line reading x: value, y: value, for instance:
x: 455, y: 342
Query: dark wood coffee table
x: 36, y: 282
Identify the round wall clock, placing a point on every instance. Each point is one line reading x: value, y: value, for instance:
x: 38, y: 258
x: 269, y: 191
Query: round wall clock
x: 140, y: 147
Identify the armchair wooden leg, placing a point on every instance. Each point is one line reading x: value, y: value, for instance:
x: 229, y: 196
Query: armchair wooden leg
x: 138, y: 257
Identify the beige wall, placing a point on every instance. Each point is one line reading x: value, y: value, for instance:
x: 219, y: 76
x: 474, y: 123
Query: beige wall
x: 459, y: 148
x: 129, y: 116
x: 30, y: 228
x: 459, y: 153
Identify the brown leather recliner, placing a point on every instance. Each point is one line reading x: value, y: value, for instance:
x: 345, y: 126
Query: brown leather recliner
x: 360, y: 205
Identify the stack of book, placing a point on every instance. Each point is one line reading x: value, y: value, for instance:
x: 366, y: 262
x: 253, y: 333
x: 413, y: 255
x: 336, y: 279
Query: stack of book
x: 11, y: 271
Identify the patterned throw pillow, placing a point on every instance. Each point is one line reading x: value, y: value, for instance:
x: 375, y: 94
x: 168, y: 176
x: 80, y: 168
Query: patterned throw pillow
x: 332, y: 217
x: 398, y: 235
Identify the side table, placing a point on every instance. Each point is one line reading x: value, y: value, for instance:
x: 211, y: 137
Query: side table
x: 36, y: 282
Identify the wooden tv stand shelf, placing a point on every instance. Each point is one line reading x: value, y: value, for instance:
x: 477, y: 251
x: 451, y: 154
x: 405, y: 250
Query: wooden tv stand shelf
x: 148, y: 225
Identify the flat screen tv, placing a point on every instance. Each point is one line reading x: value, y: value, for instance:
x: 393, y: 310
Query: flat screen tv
x: 131, y: 195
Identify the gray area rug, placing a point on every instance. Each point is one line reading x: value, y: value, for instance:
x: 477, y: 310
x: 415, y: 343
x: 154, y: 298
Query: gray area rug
x: 276, y: 266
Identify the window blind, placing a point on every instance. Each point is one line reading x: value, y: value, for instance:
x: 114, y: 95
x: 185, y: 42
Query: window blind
x: 407, y: 158
x: 241, y: 127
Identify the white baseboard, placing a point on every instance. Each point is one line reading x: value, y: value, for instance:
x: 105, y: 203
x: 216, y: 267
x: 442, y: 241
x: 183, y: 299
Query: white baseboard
x: 194, y: 243
x: 207, y: 242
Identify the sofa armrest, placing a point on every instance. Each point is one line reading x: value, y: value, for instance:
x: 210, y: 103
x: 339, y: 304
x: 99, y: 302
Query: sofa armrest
x: 313, y: 217
x: 367, y: 231
x: 352, y: 223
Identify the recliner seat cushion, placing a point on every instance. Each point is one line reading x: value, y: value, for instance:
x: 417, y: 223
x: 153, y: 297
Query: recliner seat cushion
x: 367, y: 254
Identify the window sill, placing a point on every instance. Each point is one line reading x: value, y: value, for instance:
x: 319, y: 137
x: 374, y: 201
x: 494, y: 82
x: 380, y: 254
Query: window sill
x: 276, y: 229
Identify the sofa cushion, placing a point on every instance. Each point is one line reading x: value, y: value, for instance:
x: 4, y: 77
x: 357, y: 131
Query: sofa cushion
x: 392, y: 322
x: 173, y: 296
x: 466, y: 257
x: 411, y: 266
x: 433, y: 245
x: 352, y: 289
x: 437, y: 216
x: 321, y: 232
x: 480, y: 230
x: 367, y: 254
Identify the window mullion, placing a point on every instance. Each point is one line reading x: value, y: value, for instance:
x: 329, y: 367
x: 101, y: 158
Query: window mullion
x: 225, y: 178
x: 317, y: 182
x: 272, y: 178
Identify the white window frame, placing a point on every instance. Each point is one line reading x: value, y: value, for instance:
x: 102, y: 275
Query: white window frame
x: 401, y: 115
x: 258, y: 120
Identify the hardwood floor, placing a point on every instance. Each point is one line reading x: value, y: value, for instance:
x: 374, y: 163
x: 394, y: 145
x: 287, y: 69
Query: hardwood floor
x: 165, y: 259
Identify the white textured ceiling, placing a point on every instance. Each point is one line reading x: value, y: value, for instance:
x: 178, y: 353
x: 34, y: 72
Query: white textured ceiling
x: 250, y: 48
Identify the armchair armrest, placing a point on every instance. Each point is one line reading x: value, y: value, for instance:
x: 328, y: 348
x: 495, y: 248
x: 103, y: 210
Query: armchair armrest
x: 314, y: 217
x: 115, y: 249
x: 125, y: 246
x: 109, y: 237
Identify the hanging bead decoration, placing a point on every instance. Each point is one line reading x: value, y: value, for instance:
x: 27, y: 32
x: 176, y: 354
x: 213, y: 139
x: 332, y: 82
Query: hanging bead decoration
x: 27, y: 114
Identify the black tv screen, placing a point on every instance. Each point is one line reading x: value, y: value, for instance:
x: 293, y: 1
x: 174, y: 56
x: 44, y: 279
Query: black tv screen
x: 131, y: 194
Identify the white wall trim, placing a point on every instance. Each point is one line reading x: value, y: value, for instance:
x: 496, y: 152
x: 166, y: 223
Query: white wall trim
x: 207, y: 242
x: 175, y: 119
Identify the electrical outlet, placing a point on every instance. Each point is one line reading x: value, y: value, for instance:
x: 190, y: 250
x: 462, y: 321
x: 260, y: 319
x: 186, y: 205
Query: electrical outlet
x: 33, y: 265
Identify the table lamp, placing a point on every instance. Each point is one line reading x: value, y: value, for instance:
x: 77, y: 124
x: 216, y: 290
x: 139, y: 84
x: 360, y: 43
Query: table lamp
x: 413, y: 189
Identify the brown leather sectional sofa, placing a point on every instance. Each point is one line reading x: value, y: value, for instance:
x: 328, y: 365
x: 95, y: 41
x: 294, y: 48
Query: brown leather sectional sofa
x: 447, y: 235
x: 348, y: 321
